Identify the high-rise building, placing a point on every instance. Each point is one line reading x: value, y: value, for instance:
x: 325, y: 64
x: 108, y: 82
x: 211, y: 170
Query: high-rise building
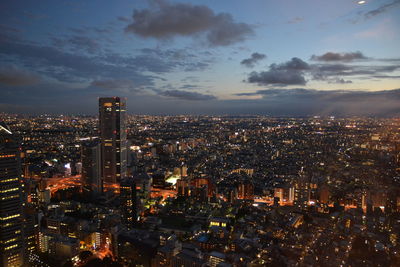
x: 91, y: 169
x: 302, y: 191
x: 129, y: 201
x: 11, y: 200
x: 31, y: 229
x: 112, y: 112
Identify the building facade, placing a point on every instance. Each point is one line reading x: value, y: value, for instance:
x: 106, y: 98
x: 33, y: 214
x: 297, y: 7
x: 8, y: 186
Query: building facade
x: 112, y: 113
x: 91, y: 167
x: 11, y: 200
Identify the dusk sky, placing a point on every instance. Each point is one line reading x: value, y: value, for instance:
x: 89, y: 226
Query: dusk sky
x: 286, y: 57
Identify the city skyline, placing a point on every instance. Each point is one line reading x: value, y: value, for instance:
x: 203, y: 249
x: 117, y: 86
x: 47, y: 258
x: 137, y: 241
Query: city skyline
x: 206, y: 191
x: 206, y: 57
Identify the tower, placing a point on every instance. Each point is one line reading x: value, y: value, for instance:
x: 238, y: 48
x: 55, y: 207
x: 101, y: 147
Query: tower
x: 11, y: 200
x: 112, y: 112
x: 91, y: 171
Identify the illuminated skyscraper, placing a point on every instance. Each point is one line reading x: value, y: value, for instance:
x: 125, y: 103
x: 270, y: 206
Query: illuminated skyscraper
x: 11, y: 200
x: 112, y: 112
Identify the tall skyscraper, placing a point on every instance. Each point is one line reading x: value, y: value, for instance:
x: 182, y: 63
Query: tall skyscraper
x: 91, y: 169
x: 112, y: 113
x: 11, y: 200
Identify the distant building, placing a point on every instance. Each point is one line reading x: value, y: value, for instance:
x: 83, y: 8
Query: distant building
x: 215, y: 258
x: 112, y: 112
x: 324, y: 194
x: 246, y: 191
x: 137, y: 247
x: 218, y: 223
x: 182, y: 187
x: 59, y: 246
x: 278, y: 193
x: 44, y: 196
x: 31, y: 231
x: 302, y: 192
x: 188, y: 259
x: 169, y: 247
x: 11, y: 201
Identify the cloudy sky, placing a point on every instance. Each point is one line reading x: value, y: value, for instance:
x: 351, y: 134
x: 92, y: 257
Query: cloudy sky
x: 273, y: 57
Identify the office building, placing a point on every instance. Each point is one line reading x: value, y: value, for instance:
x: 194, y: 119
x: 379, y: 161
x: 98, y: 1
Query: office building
x: 302, y: 192
x: 91, y: 169
x: 215, y: 258
x: 246, y: 190
x: 112, y: 112
x: 11, y: 200
x: 129, y: 205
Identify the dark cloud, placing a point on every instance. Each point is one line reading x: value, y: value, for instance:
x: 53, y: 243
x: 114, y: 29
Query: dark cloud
x: 277, y: 77
x: 189, y: 86
x: 167, y: 20
x: 175, y: 59
x: 340, y: 81
x: 332, y: 67
x: 287, y: 73
x: 330, y: 73
x: 278, y: 92
x: 68, y: 65
x: 381, y: 9
x: 331, y: 56
x: 295, y: 64
x: 295, y: 71
x: 226, y: 31
x: 250, y: 62
x: 114, y: 84
x: 309, y: 102
x: 186, y: 95
x: 9, y: 75
x: 387, y: 76
x: 333, y: 72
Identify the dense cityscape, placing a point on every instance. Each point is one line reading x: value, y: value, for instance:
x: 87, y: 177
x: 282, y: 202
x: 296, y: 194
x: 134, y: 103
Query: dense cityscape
x: 124, y: 190
x: 199, y: 133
